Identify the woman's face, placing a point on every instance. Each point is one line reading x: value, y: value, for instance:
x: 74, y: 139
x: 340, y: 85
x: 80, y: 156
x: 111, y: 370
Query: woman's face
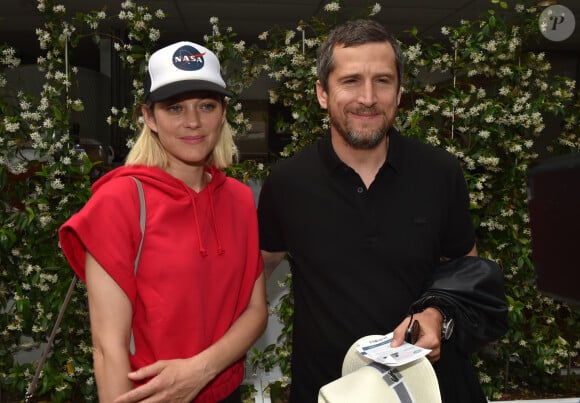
x: 188, y: 126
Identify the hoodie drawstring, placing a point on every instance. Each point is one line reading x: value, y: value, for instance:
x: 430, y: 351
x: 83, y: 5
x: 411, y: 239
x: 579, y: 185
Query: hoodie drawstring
x: 221, y: 250
x: 202, y: 250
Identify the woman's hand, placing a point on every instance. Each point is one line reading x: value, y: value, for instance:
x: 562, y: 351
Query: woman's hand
x: 181, y: 380
x: 178, y: 380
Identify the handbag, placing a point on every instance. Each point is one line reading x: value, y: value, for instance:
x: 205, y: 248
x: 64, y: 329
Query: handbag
x: 471, y: 290
x: 142, y: 218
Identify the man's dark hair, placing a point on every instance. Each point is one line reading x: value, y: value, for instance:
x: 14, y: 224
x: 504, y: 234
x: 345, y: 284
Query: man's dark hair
x: 353, y: 33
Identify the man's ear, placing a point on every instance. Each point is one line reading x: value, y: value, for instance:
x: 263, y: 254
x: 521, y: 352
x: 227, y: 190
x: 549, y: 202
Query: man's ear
x: 399, y: 96
x: 322, y: 95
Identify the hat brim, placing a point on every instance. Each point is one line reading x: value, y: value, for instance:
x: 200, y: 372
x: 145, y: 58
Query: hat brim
x: 180, y: 87
x: 361, y: 381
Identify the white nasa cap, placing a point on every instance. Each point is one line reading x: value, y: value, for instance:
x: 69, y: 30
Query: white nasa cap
x: 183, y: 67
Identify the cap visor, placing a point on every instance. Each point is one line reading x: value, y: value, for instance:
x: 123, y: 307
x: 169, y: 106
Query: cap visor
x: 181, y: 87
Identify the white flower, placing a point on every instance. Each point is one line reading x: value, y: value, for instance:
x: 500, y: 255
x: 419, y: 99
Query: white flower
x: 214, y: 20
x: 160, y: 14
x: 289, y: 36
x: 48, y: 123
x: 127, y: 4
x: 57, y: 184
x: 59, y: 8
x: 139, y: 25
x: 413, y: 52
x: 375, y: 9
x: 45, y: 220
x: 434, y: 140
x: 504, y: 91
x: 489, y: 119
x: 330, y: 7
x: 154, y: 34
x: 240, y: 46
x: 11, y: 127
x: 491, y: 46
x: 484, y: 378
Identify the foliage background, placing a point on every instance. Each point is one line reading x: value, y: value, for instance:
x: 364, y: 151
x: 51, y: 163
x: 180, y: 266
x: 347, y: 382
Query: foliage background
x: 479, y: 93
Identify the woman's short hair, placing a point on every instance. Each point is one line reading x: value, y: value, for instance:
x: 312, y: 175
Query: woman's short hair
x: 148, y: 150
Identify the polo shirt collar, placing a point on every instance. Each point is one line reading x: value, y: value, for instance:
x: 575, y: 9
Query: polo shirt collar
x: 332, y: 162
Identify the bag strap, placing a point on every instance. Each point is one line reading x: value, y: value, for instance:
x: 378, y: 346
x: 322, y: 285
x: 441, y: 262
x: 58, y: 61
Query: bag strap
x: 142, y: 219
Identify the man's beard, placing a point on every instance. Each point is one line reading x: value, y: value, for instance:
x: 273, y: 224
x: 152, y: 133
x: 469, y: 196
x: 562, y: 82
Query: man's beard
x: 359, y: 140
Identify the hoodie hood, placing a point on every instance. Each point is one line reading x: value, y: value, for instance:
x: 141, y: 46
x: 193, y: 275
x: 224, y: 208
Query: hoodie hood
x: 156, y: 180
x: 160, y: 179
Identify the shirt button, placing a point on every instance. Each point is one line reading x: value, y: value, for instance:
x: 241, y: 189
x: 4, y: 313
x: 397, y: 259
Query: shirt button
x: 360, y: 190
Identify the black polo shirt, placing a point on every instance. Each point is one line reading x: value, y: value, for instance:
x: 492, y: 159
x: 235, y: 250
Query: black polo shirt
x: 360, y: 256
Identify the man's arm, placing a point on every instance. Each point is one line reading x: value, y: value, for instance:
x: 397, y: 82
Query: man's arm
x: 271, y: 261
x: 430, y: 321
x: 473, y: 251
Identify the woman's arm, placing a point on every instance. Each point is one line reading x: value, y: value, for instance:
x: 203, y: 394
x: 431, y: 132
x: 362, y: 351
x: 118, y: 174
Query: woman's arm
x: 242, y: 335
x: 181, y: 380
x: 111, y: 314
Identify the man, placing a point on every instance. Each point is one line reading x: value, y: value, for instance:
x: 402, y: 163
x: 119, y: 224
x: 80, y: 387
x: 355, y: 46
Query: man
x: 365, y: 214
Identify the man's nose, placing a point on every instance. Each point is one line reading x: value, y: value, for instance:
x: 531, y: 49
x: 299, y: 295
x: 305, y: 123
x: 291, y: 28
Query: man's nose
x: 367, y: 95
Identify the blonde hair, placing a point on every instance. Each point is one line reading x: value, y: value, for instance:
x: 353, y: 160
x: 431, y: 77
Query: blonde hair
x: 148, y: 150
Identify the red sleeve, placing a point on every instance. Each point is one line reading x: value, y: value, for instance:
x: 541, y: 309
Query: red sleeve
x: 108, y: 227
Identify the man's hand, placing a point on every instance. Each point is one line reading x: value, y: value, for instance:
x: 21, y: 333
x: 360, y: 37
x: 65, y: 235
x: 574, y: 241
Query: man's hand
x: 172, y: 381
x: 430, y: 321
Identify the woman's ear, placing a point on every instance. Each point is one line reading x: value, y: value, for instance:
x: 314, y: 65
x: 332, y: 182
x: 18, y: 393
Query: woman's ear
x: 149, y: 117
x: 225, y: 111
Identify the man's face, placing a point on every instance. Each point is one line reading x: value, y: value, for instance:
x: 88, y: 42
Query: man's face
x: 363, y: 93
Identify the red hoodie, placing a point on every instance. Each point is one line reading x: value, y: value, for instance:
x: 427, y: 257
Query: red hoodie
x: 198, y: 265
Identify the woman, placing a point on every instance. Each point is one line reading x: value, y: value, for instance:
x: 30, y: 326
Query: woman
x: 178, y: 327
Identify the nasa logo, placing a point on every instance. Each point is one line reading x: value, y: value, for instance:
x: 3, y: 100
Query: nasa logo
x: 188, y: 58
